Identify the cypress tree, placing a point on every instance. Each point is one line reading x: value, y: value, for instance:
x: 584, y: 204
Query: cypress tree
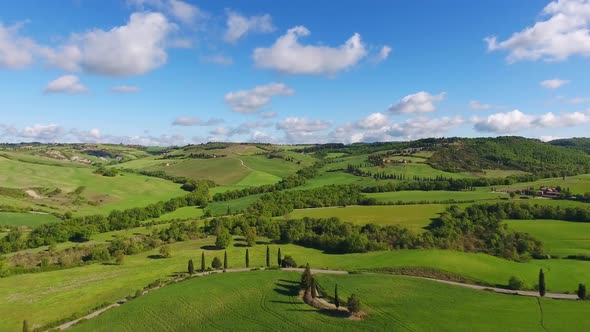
x: 191, y: 267
x: 280, y: 259
x: 203, y: 262
x: 267, y: 256
x: 225, y: 260
x: 306, y: 279
x: 25, y: 326
x: 542, y: 287
x: 336, y: 299
x: 313, y: 288
x: 581, y: 291
x: 247, y: 258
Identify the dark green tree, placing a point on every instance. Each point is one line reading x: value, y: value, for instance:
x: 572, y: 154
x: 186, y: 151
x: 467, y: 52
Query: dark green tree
x: 353, y: 304
x: 225, y: 260
x: 336, y: 299
x: 279, y: 258
x: 313, y: 288
x: 203, y: 262
x: 250, y: 235
x: 25, y: 326
x: 267, y: 256
x: 247, y: 258
x: 191, y: 267
x: 581, y: 291
x: 288, y: 261
x: 223, y: 239
x: 306, y: 279
x: 542, y: 287
x: 216, y: 263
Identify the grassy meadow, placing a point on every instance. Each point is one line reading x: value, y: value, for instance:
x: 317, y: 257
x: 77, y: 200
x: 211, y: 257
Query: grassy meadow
x: 26, y: 219
x: 559, y: 237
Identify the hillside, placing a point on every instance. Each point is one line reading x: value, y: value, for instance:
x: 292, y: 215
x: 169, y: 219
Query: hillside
x: 576, y: 143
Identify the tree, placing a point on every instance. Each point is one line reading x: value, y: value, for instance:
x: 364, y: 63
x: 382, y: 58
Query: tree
x: 165, y: 251
x: 288, y: 261
x: 313, y: 288
x: 515, y: 283
x: 225, y: 260
x: 250, y: 235
x: 203, y: 262
x: 581, y: 291
x: 216, y: 263
x: 25, y: 326
x: 191, y: 267
x: 279, y: 258
x: 336, y: 299
x: 267, y: 256
x: 542, y: 287
x: 247, y: 258
x: 119, y: 257
x: 223, y: 239
x: 306, y: 279
x: 353, y: 304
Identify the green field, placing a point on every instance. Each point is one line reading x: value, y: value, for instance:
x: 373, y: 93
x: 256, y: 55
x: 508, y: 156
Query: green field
x: 26, y: 219
x: 268, y: 301
x: 100, y: 194
x: 434, y: 196
x: 578, y: 184
x: 235, y: 205
x: 559, y: 237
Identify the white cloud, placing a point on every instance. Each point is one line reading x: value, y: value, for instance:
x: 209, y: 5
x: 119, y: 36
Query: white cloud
x: 512, y: 122
x: 66, y: 84
x: 579, y: 100
x: 218, y: 60
x: 133, y: 49
x: 564, y: 33
x: 16, y: 52
x: 476, y: 105
x: 383, y: 54
x: 238, y: 25
x: 267, y: 115
x: 181, y: 10
x: 251, y: 101
x: 553, y: 83
x: 242, y: 129
x: 421, y: 102
x: 302, y: 130
x: 373, y: 121
x: 125, y: 89
x: 187, y: 121
x: 287, y: 55
x: 262, y: 137
x: 42, y: 132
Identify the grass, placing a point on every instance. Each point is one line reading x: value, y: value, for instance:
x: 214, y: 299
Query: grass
x: 267, y: 301
x: 559, y: 237
x: 235, y: 205
x: 431, y: 196
x: 329, y: 178
x: 26, y: 219
x: 258, y: 178
x: 41, y: 295
x: 104, y: 193
x: 277, y: 167
x: 220, y: 170
x: 578, y: 184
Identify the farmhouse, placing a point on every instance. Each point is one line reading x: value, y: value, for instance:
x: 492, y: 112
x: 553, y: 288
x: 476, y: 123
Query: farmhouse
x: 549, y: 192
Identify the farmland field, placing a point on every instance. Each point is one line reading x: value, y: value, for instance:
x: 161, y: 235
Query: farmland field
x: 26, y: 219
x: 559, y: 237
x: 434, y: 196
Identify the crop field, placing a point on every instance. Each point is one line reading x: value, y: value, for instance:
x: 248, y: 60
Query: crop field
x: 234, y: 205
x: 100, y: 194
x: 26, y: 219
x: 329, y: 178
x: 435, y: 196
x: 559, y: 237
x: 579, y: 184
x: 416, y: 169
x: 268, y: 301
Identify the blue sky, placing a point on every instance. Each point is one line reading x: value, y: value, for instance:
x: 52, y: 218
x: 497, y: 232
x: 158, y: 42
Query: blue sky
x: 162, y: 72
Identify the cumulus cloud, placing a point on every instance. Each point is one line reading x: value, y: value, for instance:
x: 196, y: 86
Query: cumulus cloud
x: 125, y: 89
x: 579, y: 100
x: 132, y: 49
x: 218, y: 60
x: 181, y: 10
x: 421, y: 102
x: 16, y: 52
x: 66, y: 84
x: 267, y: 115
x: 188, y: 121
x: 242, y: 129
x: 251, y: 101
x: 289, y: 56
x: 238, y: 25
x: 512, y: 122
x: 553, y: 83
x: 563, y: 32
x: 373, y: 121
x: 476, y: 105
x: 42, y: 133
x: 302, y: 130
x: 383, y: 54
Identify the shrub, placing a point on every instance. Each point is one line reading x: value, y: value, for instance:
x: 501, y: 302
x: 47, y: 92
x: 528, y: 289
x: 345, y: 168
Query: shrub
x: 216, y: 263
x: 100, y: 254
x: 223, y: 239
x: 353, y: 304
x: 165, y: 251
x: 288, y: 261
x: 515, y: 283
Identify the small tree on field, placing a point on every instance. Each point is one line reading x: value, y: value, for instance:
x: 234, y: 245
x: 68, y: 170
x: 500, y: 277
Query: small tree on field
x: 288, y: 261
x: 165, y: 251
x: 247, y: 258
x: 202, y: 262
x: 216, y: 263
x: 542, y: 287
x: 191, y: 267
x: 336, y: 299
x: 119, y: 258
x: 306, y: 279
x: 280, y: 258
x: 225, y: 260
x: 25, y: 326
x: 353, y: 304
x: 267, y: 256
x: 581, y: 291
x: 250, y: 235
x: 515, y: 283
x: 223, y: 239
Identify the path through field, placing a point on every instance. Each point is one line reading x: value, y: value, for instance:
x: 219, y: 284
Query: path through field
x: 242, y: 162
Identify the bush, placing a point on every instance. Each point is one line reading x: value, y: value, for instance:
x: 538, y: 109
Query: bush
x: 288, y: 261
x: 216, y: 263
x: 165, y: 251
x: 223, y: 239
x: 353, y: 304
x: 100, y: 254
x: 515, y: 283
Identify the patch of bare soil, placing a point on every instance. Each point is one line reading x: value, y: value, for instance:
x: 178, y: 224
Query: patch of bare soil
x: 32, y: 194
